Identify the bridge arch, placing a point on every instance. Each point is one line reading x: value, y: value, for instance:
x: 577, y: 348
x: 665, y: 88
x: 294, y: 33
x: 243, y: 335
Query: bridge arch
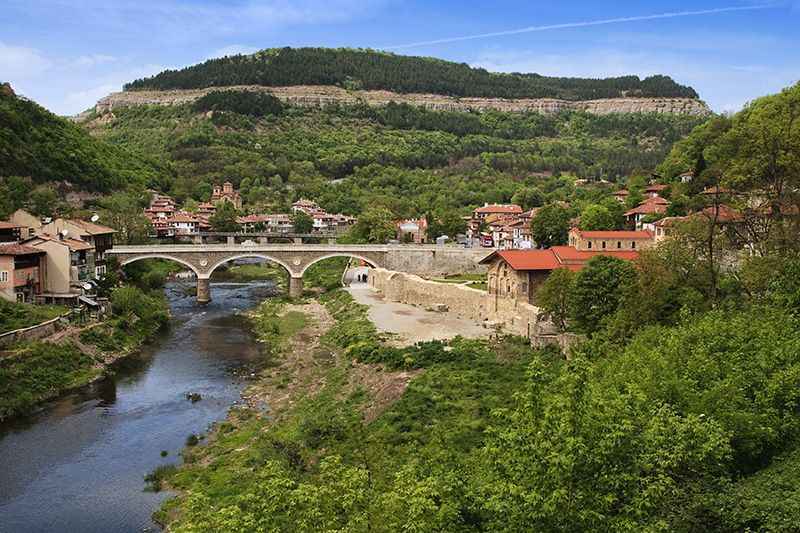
x: 370, y: 262
x: 244, y: 255
x: 166, y: 257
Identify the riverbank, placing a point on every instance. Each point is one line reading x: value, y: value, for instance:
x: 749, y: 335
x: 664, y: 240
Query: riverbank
x: 329, y: 430
x: 32, y: 373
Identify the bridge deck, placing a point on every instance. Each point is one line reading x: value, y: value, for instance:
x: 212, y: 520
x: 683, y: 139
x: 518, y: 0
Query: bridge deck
x: 256, y: 247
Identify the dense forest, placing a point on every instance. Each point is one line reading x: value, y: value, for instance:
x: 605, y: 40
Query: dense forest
x: 39, y: 145
x: 370, y: 69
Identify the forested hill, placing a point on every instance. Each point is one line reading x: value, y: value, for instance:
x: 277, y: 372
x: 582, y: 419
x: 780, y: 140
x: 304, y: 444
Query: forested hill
x: 39, y: 145
x: 373, y: 70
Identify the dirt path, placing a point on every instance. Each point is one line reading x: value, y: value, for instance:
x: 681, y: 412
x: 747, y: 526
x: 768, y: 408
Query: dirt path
x: 304, y: 365
x: 413, y: 324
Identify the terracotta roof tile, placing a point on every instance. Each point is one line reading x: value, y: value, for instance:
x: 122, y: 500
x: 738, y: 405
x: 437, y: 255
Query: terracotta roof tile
x: 19, y: 249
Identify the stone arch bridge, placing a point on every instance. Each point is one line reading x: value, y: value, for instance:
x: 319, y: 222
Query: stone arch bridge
x: 203, y: 259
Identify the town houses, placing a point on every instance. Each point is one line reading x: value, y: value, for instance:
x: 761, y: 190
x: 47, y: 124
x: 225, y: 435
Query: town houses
x: 51, y: 261
x: 500, y: 226
x: 169, y: 221
x: 323, y: 221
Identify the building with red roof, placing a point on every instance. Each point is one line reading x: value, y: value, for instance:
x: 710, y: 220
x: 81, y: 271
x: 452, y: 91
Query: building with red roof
x: 22, y: 272
x: 517, y: 274
x: 655, y: 190
x: 651, y: 206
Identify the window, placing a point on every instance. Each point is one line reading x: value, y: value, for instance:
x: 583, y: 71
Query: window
x: 604, y: 245
x: 589, y: 245
x: 3, y: 276
x: 619, y: 244
x: 633, y: 244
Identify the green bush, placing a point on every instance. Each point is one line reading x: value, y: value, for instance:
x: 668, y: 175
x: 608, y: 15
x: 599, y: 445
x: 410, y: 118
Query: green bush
x: 38, y: 371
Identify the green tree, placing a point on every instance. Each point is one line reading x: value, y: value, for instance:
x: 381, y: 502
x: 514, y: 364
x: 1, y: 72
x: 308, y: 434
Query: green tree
x: 44, y: 201
x: 224, y: 218
x: 123, y: 211
x: 598, y: 291
x: 302, y: 222
x: 375, y: 225
x: 553, y: 296
x: 550, y: 226
x: 597, y: 217
x: 528, y: 197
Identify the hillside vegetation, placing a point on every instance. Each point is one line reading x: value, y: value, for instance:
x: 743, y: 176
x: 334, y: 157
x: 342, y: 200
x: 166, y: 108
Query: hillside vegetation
x: 411, y: 160
x: 37, y: 144
x: 370, y: 69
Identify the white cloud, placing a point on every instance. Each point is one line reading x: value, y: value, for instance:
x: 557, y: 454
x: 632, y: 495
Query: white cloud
x: 232, y: 50
x: 81, y: 99
x: 93, y: 60
x: 19, y: 62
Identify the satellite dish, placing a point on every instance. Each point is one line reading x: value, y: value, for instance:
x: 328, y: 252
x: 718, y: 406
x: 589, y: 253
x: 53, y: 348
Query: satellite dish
x: 87, y: 286
x: 47, y: 220
x: 64, y: 233
x: 94, y: 218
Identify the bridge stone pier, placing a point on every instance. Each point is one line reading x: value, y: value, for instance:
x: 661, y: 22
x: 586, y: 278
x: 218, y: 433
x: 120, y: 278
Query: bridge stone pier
x: 203, y: 259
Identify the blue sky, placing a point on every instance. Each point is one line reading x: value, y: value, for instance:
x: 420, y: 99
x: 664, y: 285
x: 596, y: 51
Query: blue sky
x: 66, y: 54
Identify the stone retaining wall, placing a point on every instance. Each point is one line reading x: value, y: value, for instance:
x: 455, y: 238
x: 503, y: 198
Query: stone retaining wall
x: 39, y: 331
x: 511, y: 316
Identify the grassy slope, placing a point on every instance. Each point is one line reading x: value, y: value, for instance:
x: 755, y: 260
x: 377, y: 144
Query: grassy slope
x: 16, y: 316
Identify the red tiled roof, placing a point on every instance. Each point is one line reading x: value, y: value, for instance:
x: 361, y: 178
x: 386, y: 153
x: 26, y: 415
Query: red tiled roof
x: 19, y: 249
x: 615, y: 234
x: 725, y: 213
x: 529, y: 259
x: 91, y: 228
x: 499, y: 208
x: 555, y: 257
x: 73, y: 244
x: 667, y: 222
x: 655, y: 188
x: 8, y: 225
x: 621, y: 192
x: 181, y: 217
x: 649, y: 206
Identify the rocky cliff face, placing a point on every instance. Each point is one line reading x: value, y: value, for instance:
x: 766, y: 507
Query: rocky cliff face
x: 317, y: 96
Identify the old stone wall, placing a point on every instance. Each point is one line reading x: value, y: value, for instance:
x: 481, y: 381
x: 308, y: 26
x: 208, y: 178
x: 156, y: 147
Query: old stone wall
x: 436, y: 260
x: 39, y: 331
x: 318, y: 96
x: 509, y: 315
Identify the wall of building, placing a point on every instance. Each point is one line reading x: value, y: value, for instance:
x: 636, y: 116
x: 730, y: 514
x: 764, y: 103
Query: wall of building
x: 512, y: 316
x: 58, y: 267
x: 436, y: 260
x: 7, y: 287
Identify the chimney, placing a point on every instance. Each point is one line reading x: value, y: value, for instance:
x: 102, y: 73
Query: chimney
x: 228, y: 187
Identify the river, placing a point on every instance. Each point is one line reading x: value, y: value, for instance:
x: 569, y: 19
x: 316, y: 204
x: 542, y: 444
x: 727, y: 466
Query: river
x: 78, y: 465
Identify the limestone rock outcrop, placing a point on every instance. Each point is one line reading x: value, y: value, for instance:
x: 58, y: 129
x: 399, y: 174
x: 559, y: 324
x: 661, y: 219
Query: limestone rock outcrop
x: 318, y: 96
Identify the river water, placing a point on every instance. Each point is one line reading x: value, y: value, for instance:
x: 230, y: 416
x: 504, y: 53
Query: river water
x: 79, y: 464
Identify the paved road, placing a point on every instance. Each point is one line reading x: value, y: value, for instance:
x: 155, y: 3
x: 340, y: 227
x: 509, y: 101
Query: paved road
x: 413, y: 324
